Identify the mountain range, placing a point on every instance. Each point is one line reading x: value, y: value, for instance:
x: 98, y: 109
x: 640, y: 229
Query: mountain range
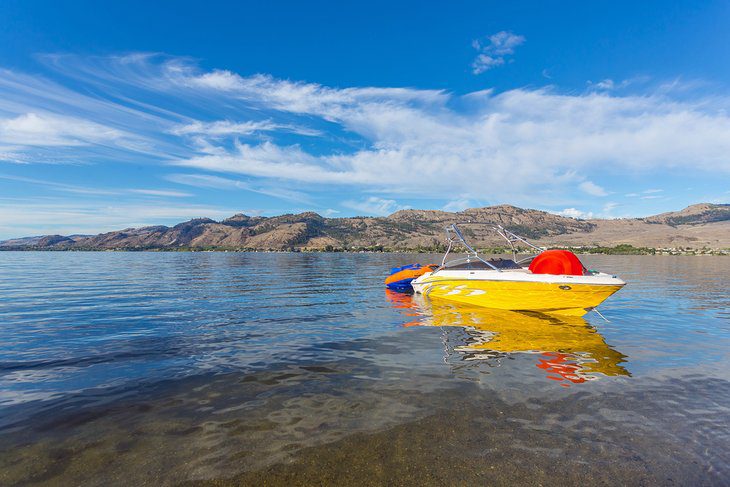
x: 698, y: 226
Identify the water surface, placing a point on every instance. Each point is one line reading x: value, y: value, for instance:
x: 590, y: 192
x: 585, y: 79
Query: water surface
x: 251, y: 368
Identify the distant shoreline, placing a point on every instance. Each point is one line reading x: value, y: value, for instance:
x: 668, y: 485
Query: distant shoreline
x: 616, y: 250
x: 703, y: 228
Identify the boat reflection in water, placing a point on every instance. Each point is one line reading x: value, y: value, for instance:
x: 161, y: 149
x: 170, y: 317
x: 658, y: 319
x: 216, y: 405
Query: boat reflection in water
x: 567, y: 348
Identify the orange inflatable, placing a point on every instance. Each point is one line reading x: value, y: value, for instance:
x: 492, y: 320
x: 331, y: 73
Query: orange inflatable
x: 558, y: 262
x: 400, y: 277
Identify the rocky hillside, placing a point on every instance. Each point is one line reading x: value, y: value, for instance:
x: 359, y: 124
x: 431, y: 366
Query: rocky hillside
x: 697, y: 226
x: 693, y: 215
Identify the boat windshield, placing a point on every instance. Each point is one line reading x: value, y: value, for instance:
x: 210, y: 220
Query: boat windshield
x: 472, y: 259
x: 499, y: 263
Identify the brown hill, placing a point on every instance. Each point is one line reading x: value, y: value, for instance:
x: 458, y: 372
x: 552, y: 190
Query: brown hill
x: 697, y: 226
x: 693, y: 215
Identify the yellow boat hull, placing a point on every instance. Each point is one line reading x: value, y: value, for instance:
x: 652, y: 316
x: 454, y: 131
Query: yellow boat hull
x: 567, y: 348
x: 574, y: 299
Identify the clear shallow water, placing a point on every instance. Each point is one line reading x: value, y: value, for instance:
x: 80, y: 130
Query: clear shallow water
x: 120, y: 368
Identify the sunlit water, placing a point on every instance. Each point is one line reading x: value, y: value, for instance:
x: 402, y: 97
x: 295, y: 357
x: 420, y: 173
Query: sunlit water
x: 166, y: 368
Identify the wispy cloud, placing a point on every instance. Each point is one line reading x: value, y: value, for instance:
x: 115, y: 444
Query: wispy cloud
x: 34, y: 129
x: 647, y: 194
x: 161, y: 192
x: 251, y: 133
x: 609, y: 207
x: 374, y: 206
x: 206, y: 181
x: 459, y: 205
x: 609, y: 84
x: 92, y: 191
x: 68, y: 188
x: 217, y: 182
x: 30, y: 217
x: 494, y: 49
x: 227, y: 127
x: 592, y: 189
x: 513, y: 135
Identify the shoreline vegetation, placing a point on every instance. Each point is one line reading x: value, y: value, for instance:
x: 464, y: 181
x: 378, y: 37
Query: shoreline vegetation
x: 621, y: 249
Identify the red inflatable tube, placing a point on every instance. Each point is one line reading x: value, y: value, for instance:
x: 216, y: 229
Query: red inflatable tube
x: 558, y: 262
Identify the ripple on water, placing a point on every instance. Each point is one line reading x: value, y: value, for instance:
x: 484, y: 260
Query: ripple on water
x: 293, y: 365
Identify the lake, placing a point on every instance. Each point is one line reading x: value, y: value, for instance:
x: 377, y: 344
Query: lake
x: 299, y: 369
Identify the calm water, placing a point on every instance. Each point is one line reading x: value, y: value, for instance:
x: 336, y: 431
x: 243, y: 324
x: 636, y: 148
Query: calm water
x: 169, y: 368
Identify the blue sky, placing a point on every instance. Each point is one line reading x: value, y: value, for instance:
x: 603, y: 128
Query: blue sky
x: 119, y: 114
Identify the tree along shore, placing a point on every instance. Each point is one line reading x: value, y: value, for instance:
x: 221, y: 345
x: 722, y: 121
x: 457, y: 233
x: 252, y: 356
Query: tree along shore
x: 621, y: 249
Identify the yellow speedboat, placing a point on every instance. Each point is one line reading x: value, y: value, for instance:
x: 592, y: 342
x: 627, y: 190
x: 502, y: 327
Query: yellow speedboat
x: 554, y: 282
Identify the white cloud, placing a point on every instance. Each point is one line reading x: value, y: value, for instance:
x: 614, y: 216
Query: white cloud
x: 206, y: 181
x: 44, y: 121
x: 219, y: 80
x: 458, y: 205
x: 38, y: 218
x: 269, y: 160
x: 608, y: 208
x: 67, y: 188
x: 160, y: 192
x: 606, y: 84
x: 524, y: 146
x: 511, y: 136
x: 652, y: 194
x: 485, y: 62
x: 592, y: 188
x: 297, y: 97
x: 224, y: 127
x: 46, y: 130
x: 227, y: 127
x: 374, y: 206
x: 492, y: 50
x: 217, y: 182
x: 94, y: 191
x: 575, y: 213
x: 609, y: 84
